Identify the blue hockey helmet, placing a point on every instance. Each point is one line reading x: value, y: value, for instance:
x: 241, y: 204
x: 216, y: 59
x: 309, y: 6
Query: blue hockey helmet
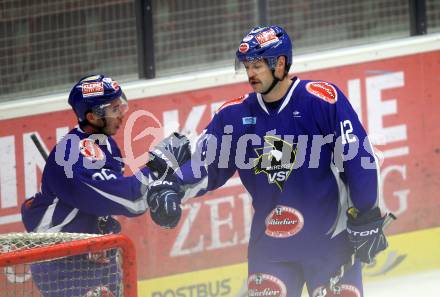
x: 94, y: 93
x: 267, y: 43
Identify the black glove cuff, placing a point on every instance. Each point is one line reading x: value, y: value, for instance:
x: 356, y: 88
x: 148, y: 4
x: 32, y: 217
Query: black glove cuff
x: 360, y: 219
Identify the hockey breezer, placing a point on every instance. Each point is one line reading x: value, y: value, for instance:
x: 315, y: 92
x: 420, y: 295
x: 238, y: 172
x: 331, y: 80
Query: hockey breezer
x: 333, y: 284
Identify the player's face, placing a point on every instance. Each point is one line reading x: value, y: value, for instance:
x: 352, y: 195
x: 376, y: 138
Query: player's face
x: 259, y: 75
x: 114, y: 114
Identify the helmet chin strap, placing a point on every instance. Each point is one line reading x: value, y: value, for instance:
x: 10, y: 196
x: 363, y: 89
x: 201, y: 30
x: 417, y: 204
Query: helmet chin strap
x: 275, y: 81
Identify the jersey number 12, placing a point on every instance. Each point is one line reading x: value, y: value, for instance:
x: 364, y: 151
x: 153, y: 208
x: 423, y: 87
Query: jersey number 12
x: 346, y: 130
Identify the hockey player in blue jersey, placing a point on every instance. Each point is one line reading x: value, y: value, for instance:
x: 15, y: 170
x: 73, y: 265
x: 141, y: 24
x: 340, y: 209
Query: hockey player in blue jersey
x: 305, y: 159
x: 83, y: 186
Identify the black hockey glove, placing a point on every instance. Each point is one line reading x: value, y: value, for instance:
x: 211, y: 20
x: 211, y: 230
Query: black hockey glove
x: 163, y: 198
x: 108, y: 225
x: 169, y: 154
x: 365, y: 233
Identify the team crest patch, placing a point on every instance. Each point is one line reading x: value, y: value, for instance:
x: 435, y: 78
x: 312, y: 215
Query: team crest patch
x: 284, y: 222
x: 89, y: 149
x: 276, y: 159
x: 261, y: 284
x: 346, y: 291
x: 323, y: 90
x: 92, y: 89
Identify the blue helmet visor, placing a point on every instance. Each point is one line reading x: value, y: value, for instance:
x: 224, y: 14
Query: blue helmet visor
x: 242, y: 64
x: 114, y: 109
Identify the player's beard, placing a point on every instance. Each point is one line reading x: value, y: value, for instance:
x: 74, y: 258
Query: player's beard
x: 112, y: 126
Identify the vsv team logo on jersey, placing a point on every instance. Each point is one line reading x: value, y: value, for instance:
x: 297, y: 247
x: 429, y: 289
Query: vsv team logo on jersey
x: 276, y: 159
x: 261, y: 284
x: 284, y: 222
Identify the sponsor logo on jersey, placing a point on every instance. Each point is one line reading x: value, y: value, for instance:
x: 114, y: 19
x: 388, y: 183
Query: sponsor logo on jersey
x: 276, y: 159
x: 346, y: 291
x: 261, y: 284
x: 284, y: 222
x: 232, y: 102
x: 267, y: 37
x: 92, y: 89
x: 89, y: 149
x: 243, y: 48
x: 249, y: 120
x: 100, y: 291
x: 323, y: 90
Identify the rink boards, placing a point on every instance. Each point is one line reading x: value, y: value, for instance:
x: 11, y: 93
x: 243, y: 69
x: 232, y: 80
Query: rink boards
x: 407, y: 254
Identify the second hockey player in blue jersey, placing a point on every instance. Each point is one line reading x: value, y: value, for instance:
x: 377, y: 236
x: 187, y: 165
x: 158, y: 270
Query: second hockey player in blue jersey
x: 305, y: 159
x: 83, y: 186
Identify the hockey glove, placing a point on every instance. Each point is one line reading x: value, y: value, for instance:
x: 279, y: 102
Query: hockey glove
x: 163, y: 198
x: 108, y: 225
x: 169, y: 154
x: 365, y: 233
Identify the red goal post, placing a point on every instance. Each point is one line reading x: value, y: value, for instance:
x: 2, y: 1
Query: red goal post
x: 21, y: 253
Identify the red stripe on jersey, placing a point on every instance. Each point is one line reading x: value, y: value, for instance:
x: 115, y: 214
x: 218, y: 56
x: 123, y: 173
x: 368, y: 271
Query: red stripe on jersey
x: 232, y: 102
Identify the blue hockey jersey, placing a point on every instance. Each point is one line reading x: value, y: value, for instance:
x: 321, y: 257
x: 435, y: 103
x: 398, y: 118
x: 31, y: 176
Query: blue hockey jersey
x: 83, y: 181
x: 303, y: 162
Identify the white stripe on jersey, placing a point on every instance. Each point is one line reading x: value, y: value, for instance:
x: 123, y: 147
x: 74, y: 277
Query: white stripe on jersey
x: 138, y: 206
x: 344, y: 202
x: 46, y: 222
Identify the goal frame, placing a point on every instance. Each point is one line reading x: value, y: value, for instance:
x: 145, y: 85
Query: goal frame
x: 82, y: 246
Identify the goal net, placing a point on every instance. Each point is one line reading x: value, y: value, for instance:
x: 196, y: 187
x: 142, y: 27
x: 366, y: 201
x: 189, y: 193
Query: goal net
x: 67, y: 265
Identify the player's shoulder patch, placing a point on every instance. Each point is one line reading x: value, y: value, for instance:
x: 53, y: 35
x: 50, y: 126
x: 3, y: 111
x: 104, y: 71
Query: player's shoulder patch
x: 235, y: 101
x: 323, y: 90
x: 89, y: 149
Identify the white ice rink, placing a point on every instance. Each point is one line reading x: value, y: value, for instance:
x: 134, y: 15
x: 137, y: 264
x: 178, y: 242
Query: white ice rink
x: 426, y: 284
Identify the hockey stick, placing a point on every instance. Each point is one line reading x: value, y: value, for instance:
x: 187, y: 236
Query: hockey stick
x: 333, y: 283
x: 39, y: 146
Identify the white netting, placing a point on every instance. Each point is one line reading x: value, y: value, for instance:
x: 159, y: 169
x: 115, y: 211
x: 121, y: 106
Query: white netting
x: 20, y: 241
x: 97, y: 274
